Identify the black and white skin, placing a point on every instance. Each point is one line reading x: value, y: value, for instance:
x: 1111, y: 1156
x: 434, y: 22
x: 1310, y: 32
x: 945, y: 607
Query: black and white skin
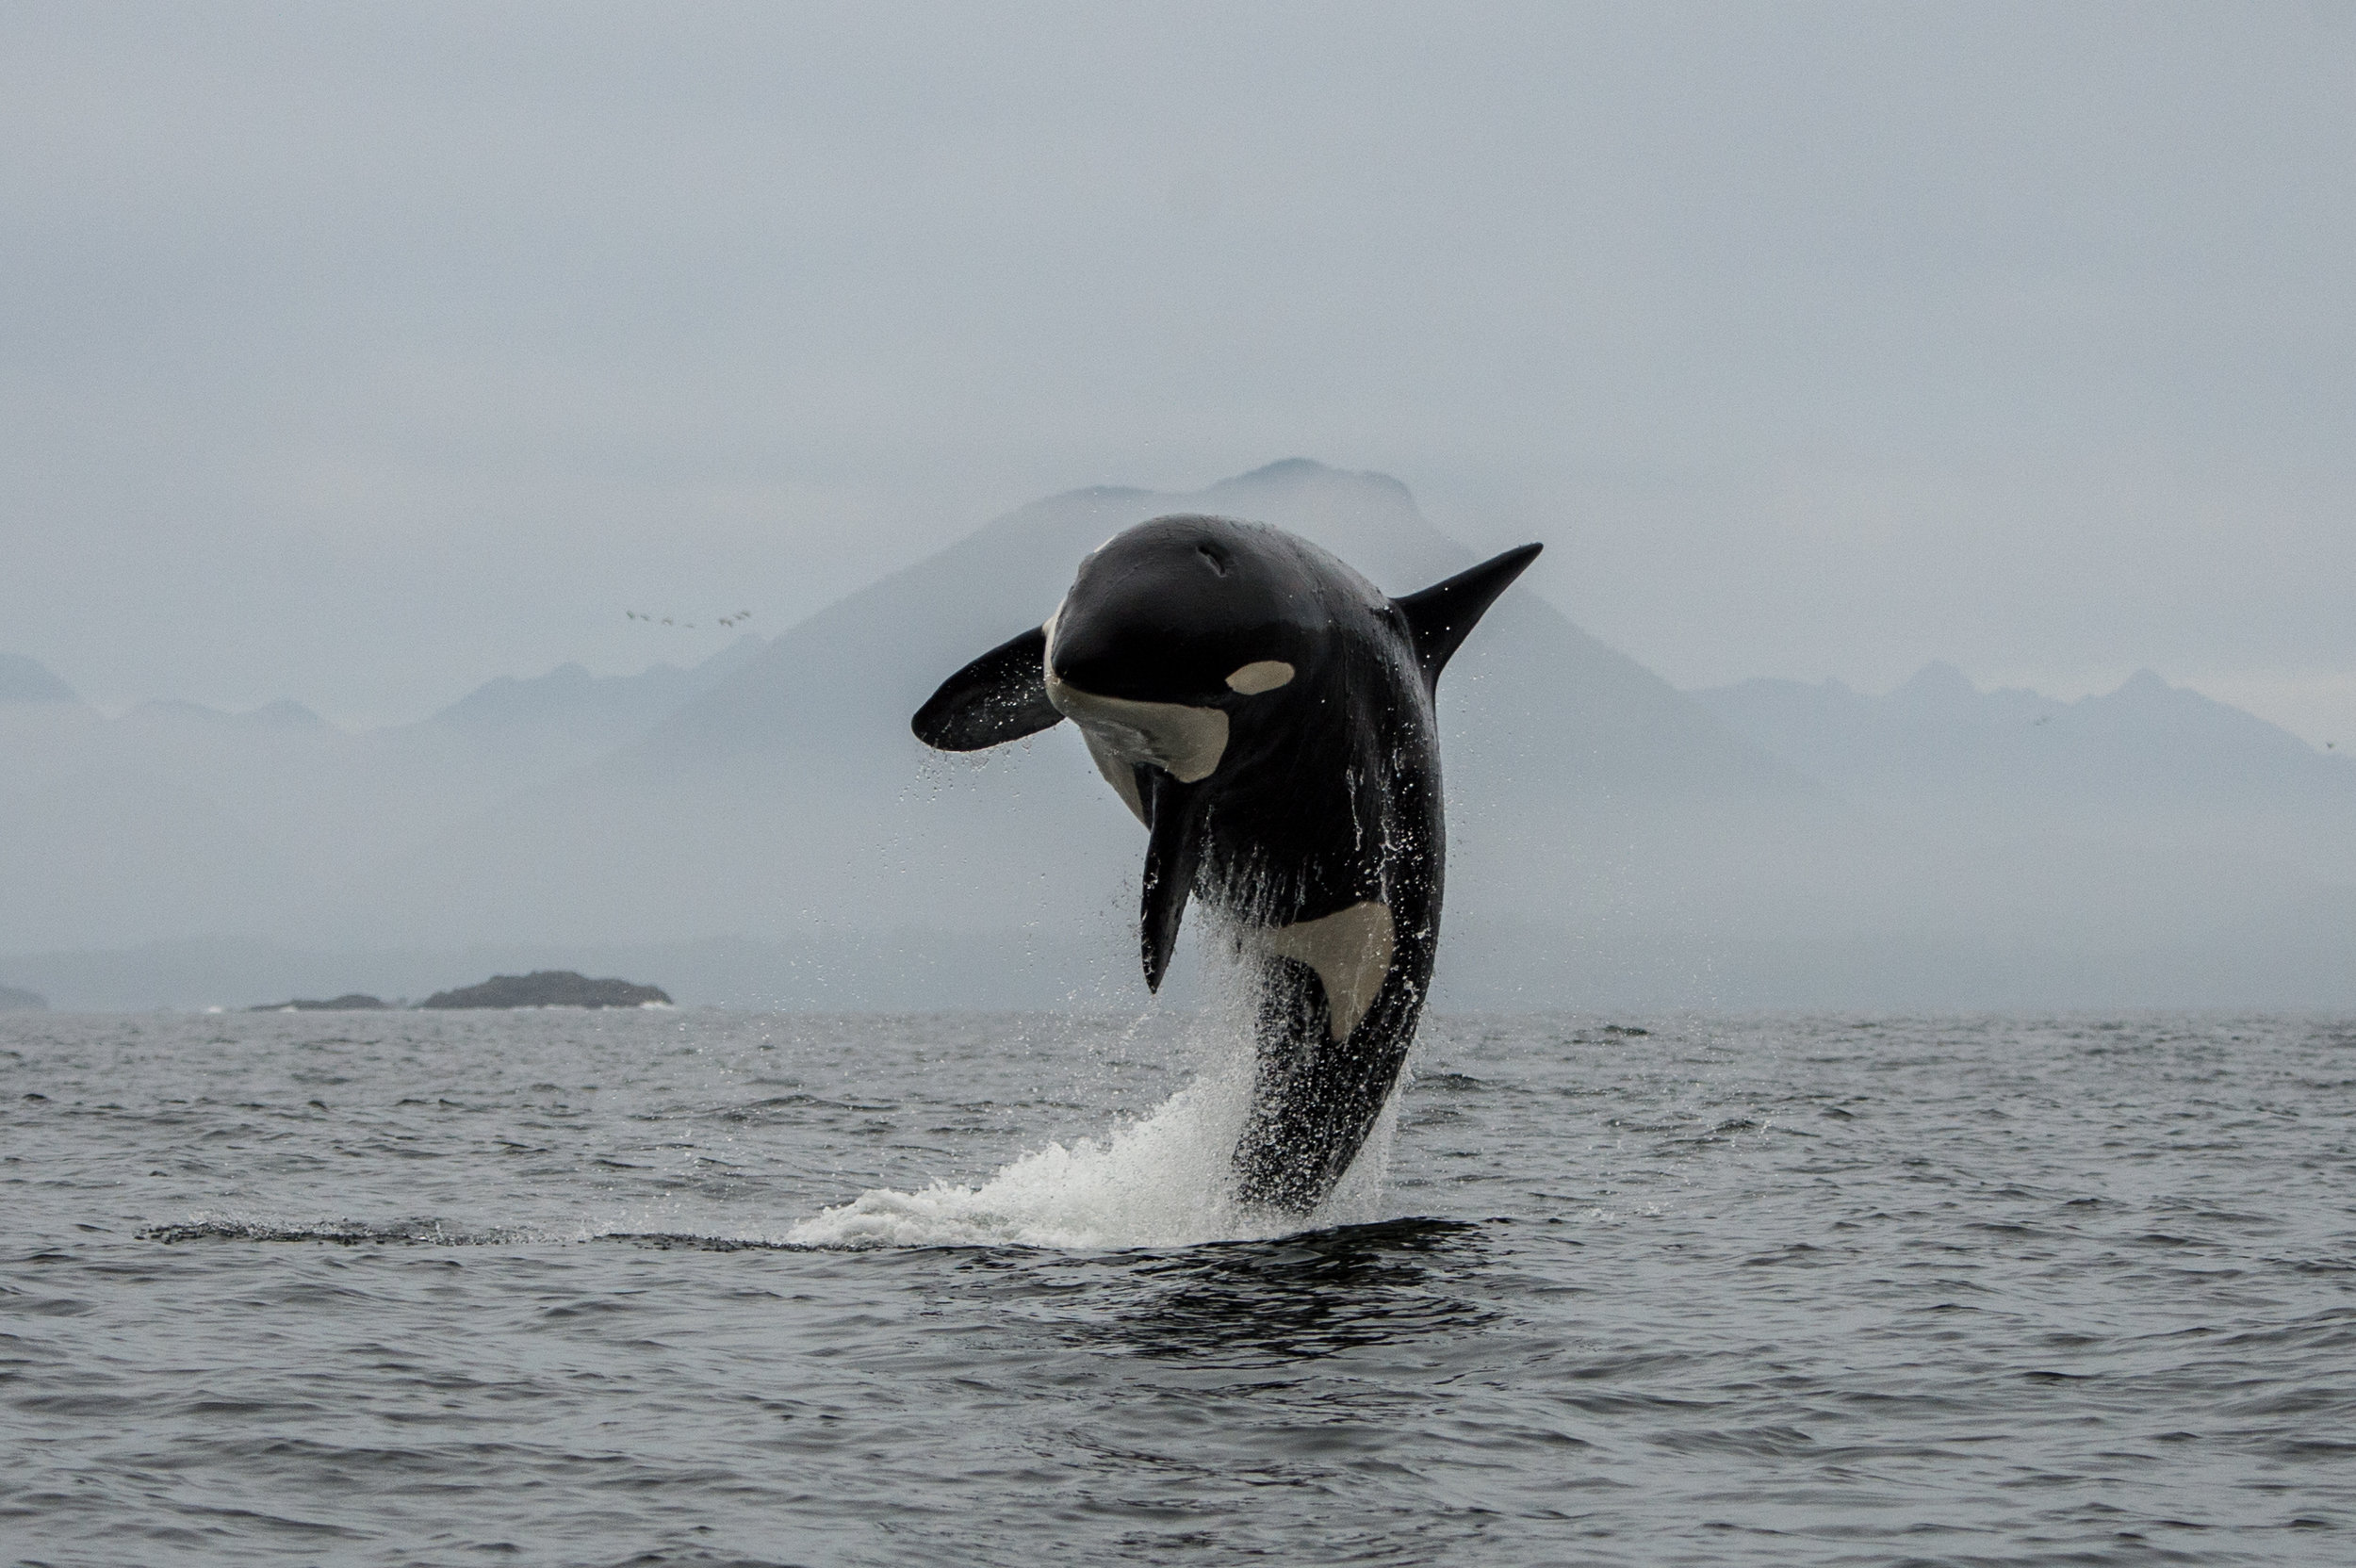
x: 1267, y: 714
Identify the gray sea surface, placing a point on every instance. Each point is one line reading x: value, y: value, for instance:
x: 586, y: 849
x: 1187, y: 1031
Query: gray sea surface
x: 707, y: 1287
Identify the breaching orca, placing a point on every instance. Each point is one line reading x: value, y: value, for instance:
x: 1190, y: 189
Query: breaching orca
x: 1267, y: 714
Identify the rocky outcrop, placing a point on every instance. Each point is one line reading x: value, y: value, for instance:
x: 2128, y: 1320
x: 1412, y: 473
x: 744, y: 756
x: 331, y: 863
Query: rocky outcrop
x: 14, y: 998
x: 549, y: 987
x: 353, y: 1002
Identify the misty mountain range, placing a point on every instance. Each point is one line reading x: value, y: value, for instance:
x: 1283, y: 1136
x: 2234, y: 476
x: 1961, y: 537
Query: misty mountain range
x: 762, y: 827
x: 2149, y: 763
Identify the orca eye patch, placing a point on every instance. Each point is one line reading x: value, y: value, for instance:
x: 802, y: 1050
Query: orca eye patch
x: 1263, y: 674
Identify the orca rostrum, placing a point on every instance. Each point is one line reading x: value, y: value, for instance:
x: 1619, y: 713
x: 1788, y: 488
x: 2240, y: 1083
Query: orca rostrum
x: 1267, y: 714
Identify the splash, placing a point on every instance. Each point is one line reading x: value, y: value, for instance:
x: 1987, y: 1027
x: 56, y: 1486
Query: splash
x: 1162, y: 1180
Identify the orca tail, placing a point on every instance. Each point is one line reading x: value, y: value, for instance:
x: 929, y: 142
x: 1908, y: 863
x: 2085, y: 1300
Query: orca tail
x: 1440, y: 617
x: 999, y: 697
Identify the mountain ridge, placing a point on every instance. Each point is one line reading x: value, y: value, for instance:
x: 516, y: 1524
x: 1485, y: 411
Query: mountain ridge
x: 770, y: 803
x: 28, y: 680
x: 815, y: 726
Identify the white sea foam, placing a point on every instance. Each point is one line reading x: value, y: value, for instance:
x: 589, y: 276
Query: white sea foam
x: 1159, y: 1181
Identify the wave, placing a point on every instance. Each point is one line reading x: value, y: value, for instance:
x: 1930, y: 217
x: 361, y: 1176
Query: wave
x: 1162, y: 1180
x: 340, y: 1232
x: 438, y: 1232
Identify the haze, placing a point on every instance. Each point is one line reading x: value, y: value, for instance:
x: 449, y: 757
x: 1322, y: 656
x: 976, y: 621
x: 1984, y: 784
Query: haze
x: 749, y: 368
x: 355, y: 355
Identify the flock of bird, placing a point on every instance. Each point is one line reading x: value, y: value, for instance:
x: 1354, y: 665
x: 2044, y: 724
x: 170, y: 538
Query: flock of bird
x: 689, y: 626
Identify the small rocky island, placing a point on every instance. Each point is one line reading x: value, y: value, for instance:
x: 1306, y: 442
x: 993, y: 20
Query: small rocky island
x: 549, y: 987
x: 15, y: 999
x: 351, y: 1002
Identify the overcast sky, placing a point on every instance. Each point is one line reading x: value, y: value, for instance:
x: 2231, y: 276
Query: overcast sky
x: 358, y: 355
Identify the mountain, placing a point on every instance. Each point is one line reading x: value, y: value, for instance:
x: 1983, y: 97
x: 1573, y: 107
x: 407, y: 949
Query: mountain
x: 274, y: 715
x: 23, y: 679
x: 596, y: 711
x: 178, y: 821
x: 791, y: 799
x: 1602, y: 825
x: 2150, y: 765
x: 764, y: 831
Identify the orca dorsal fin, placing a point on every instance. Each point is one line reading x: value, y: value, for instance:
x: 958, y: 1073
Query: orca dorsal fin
x: 1440, y: 617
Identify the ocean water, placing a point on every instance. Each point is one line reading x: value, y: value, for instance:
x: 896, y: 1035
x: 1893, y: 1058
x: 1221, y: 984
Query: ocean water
x: 709, y: 1288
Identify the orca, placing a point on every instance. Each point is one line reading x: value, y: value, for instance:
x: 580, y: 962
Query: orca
x: 1267, y: 714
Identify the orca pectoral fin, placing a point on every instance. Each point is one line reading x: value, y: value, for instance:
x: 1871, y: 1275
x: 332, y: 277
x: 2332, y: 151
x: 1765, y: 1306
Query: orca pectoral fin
x: 999, y: 697
x: 1440, y: 617
x: 1173, y: 844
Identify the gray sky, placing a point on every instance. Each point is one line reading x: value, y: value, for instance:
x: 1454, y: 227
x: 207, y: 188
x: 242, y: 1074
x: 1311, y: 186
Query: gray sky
x: 358, y: 355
